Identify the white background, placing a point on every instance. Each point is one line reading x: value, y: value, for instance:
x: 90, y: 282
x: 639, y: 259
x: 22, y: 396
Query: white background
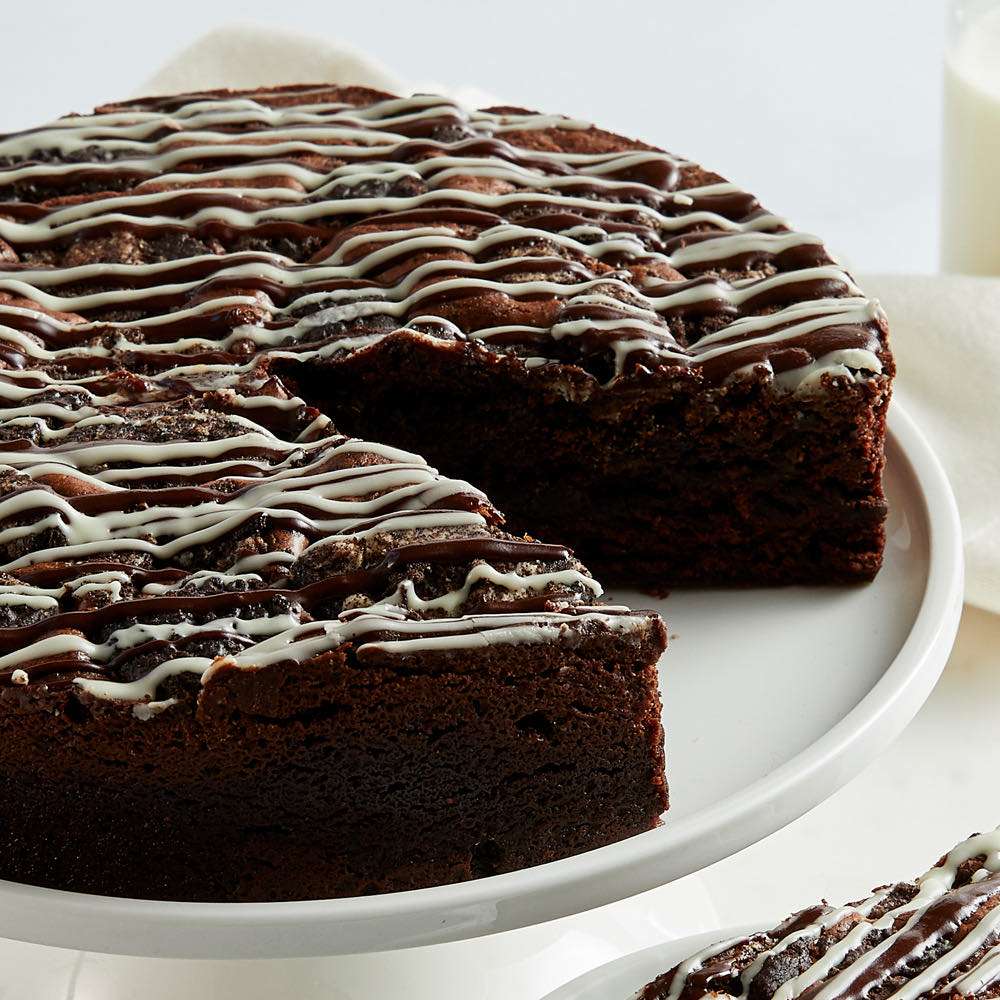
x: 829, y: 112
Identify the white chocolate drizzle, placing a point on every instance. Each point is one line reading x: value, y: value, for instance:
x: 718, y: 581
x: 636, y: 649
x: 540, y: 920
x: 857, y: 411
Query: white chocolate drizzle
x: 315, y: 164
x: 330, y: 492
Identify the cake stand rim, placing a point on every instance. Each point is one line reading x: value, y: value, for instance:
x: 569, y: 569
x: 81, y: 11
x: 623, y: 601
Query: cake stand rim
x: 522, y: 898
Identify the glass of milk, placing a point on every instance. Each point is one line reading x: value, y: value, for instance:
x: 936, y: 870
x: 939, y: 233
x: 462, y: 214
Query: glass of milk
x: 970, y: 197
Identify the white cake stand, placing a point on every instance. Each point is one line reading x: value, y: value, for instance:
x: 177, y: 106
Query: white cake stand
x: 773, y: 700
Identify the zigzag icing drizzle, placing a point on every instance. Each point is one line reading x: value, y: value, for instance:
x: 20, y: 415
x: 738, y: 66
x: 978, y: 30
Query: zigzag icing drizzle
x: 163, y: 507
x: 606, y: 236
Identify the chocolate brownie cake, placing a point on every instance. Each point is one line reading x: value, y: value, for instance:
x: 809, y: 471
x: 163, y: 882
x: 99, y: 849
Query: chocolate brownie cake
x: 238, y: 609
x: 935, y: 938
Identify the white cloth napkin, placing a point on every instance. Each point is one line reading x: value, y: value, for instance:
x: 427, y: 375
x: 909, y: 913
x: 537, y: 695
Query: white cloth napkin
x: 945, y: 334
x: 247, y: 55
x: 945, y: 330
x: 241, y: 56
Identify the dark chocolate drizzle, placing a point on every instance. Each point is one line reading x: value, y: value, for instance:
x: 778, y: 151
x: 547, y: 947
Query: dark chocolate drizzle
x: 159, y: 258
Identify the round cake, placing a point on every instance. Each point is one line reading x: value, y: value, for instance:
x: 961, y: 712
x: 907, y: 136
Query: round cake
x: 252, y: 643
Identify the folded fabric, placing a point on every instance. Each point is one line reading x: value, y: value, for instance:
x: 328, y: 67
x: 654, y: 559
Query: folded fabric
x: 945, y: 330
x: 240, y: 56
x: 248, y: 55
x: 945, y: 333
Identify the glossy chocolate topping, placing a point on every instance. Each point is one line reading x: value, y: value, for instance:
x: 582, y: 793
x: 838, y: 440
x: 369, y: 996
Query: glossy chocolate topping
x: 316, y: 222
x: 167, y: 506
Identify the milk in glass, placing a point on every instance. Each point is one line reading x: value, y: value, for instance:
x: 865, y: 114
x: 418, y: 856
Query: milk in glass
x: 970, y: 217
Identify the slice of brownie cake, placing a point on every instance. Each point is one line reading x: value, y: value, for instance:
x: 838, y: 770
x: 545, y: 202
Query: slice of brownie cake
x: 936, y: 938
x: 243, y: 657
x: 626, y: 351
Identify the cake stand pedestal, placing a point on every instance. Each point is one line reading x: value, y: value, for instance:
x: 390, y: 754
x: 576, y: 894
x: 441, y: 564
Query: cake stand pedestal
x: 524, y: 964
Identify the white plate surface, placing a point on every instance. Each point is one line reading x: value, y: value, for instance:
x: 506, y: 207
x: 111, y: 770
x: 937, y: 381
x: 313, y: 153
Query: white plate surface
x: 773, y: 700
x: 624, y: 977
